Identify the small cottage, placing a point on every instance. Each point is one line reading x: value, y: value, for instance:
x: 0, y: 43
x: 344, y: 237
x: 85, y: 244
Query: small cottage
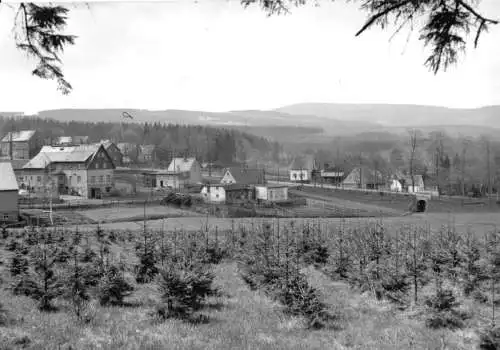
x: 271, y: 193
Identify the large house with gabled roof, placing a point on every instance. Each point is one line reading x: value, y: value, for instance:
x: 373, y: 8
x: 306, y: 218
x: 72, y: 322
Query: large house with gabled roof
x: 22, y: 144
x: 84, y: 170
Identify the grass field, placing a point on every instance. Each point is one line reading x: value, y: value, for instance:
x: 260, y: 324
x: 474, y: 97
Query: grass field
x: 395, y: 203
x: 122, y: 213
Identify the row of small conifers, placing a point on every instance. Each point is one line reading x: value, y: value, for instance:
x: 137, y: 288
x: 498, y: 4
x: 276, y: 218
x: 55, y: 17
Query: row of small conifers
x: 412, y: 267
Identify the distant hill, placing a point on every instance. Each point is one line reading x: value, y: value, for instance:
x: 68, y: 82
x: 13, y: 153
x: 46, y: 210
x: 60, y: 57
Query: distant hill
x: 233, y: 118
x: 313, y: 123
x: 390, y: 115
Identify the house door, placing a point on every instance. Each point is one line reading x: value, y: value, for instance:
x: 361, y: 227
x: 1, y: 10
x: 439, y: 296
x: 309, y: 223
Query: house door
x: 161, y: 183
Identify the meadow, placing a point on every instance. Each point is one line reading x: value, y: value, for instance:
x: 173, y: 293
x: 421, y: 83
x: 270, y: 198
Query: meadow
x: 252, y: 284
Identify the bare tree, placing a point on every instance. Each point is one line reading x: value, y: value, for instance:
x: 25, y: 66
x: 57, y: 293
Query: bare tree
x: 465, y: 144
x: 413, y: 143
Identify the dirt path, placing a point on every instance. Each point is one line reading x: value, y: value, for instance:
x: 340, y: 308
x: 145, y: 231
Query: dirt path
x: 349, y: 204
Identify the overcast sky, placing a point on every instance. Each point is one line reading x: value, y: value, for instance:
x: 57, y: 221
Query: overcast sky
x: 215, y: 55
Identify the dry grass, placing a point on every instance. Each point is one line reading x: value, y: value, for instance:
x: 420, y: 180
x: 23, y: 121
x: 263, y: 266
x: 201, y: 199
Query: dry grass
x: 121, y: 213
x: 239, y: 319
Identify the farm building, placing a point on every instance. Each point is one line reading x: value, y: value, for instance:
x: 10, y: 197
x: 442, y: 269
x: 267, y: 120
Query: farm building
x: 364, y: 178
x: 230, y: 193
x: 271, y: 193
x: 407, y: 183
x: 239, y: 193
x: 85, y: 170
x: 395, y: 185
x: 20, y: 144
x: 301, y: 169
x: 9, y: 194
x: 181, y: 173
x: 213, y: 193
x: 64, y: 141
x: 243, y: 176
x: 332, y: 175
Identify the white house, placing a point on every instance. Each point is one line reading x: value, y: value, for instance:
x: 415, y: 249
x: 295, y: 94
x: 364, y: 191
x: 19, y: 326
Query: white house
x: 301, y: 169
x: 213, y: 193
x: 271, y: 193
x: 417, y: 180
x: 395, y: 186
x: 300, y: 175
x: 243, y: 176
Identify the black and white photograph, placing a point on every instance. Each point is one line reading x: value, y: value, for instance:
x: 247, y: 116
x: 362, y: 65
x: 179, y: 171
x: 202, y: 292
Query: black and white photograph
x: 250, y: 174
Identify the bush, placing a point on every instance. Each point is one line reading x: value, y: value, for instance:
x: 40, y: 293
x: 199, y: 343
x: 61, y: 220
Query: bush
x: 113, y: 287
x: 183, y: 291
x: 442, y: 310
x: 23, y: 285
x: 301, y: 299
x: 19, y: 264
x: 489, y: 339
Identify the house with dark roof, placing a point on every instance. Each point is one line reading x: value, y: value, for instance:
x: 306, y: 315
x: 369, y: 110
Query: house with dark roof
x: 22, y: 144
x: 243, y: 176
x: 364, y: 178
x: 227, y: 193
x: 84, y: 170
x: 113, y: 151
x: 302, y: 168
x: 9, y: 194
x: 181, y: 173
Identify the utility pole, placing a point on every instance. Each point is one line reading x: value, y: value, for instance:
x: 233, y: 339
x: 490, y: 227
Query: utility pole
x: 11, y: 135
x: 489, y: 170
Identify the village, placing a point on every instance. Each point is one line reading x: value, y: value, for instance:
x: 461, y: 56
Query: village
x: 73, y: 169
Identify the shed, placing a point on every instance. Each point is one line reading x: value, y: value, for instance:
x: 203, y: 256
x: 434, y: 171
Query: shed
x: 271, y: 193
x: 9, y: 194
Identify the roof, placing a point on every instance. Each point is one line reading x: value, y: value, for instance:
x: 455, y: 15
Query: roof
x: 247, y: 176
x: 19, y: 136
x: 106, y: 143
x: 70, y: 154
x: 306, y: 163
x: 368, y: 176
x: 147, y: 148
x: 181, y: 164
x: 235, y: 187
x: 16, y: 163
x: 8, y: 180
x: 273, y: 185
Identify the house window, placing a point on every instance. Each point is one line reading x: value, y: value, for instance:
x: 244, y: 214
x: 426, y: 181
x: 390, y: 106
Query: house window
x: 21, y: 179
x: 101, y: 179
x: 78, y: 179
x: 69, y: 180
x: 92, y: 179
x: 5, y: 217
x: 104, y: 165
x: 108, y: 179
x: 38, y: 179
